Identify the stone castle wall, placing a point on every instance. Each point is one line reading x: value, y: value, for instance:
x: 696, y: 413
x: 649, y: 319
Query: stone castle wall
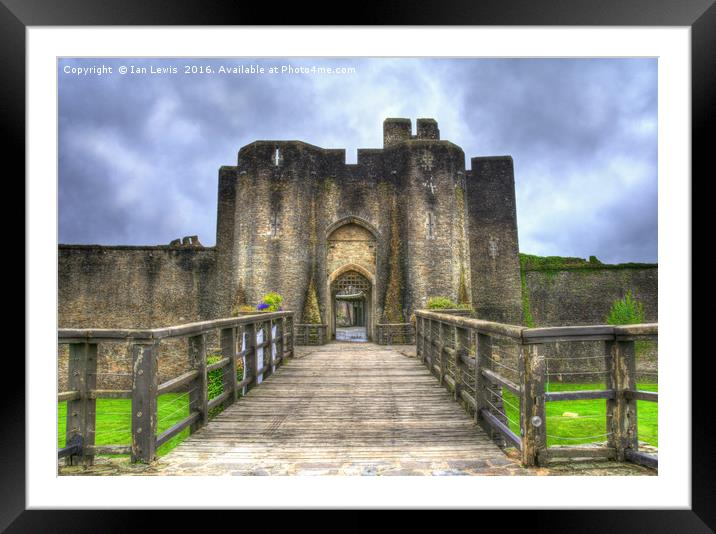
x: 585, y: 296
x: 282, y: 204
x: 131, y: 287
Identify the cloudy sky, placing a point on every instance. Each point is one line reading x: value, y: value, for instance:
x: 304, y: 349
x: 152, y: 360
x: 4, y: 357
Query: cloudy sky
x: 139, y: 153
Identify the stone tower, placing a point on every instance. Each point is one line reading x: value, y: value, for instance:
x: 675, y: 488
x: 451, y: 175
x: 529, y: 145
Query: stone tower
x: 290, y: 213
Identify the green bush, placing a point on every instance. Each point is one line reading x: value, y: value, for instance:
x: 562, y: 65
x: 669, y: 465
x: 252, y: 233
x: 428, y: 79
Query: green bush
x: 626, y: 311
x: 270, y: 302
x: 441, y: 303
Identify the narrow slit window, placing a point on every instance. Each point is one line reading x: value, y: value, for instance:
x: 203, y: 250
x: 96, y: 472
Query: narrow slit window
x: 276, y: 157
x: 431, y: 226
x: 274, y: 224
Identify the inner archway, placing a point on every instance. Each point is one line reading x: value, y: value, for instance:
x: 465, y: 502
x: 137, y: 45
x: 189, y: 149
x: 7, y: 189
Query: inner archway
x: 351, y: 303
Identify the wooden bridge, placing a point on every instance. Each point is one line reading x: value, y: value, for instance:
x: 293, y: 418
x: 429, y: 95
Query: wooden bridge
x: 353, y: 409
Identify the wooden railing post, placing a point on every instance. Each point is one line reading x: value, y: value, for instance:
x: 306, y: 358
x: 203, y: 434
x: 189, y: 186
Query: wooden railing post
x: 419, y: 338
x: 281, y: 343
x: 251, y: 359
x: 81, y: 423
x: 144, y: 401
x: 483, y: 356
x: 533, y: 422
x: 199, y: 394
x: 625, y: 416
x: 462, y: 348
x: 228, y: 350
x: 442, y: 355
x: 268, y: 325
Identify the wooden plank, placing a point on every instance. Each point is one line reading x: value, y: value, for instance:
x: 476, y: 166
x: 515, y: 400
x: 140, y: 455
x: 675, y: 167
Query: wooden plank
x: 223, y: 362
x: 482, y: 361
x: 462, y: 347
x: 469, y: 399
x: 177, y: 382
x: 65, y: 396
x: 228, y: 350
x: 502, y: 381
x: 483, y: 327
x: 111, y: 449
x: 72, y: 449
x: 251, y: 362
x: 636, y: 331
x: 579, y: 395
x: 268, y: 328
x: 110, y: 394
x: 551, y: 453
x: 625, y: 413
x: 570, y: 339
x: 642, y: 458
x: 533, y: 419
x: 219, y: 399
x: 81, y: 411
x: 144, y: 401
x: 203, y: 327
x: 199, y: 395
x: 574, y: 333
x: 498, y: 425
x: 611, y: 404
x: 172, y: 431
x: 651, y: 396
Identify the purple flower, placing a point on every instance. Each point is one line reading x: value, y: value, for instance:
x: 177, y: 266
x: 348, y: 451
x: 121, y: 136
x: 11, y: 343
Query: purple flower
x: 263, y: 306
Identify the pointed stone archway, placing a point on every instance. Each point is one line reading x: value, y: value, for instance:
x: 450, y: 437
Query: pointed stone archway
x: 351, y: 287
x: 351, y: 259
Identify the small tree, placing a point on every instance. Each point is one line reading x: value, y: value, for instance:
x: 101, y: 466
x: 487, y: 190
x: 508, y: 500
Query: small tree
x: 626, y: 311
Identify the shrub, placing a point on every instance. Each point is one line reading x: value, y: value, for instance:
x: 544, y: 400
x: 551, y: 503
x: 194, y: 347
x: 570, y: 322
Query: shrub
x: 441, y: 303
x: 270, y: 302
x: 626, y: 311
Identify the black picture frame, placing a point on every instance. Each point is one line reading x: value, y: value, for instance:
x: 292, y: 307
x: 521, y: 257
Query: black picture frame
x: 699, y: 15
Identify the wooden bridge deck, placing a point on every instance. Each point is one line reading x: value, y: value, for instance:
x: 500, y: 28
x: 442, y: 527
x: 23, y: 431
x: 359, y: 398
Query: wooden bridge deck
x: 342, y: 409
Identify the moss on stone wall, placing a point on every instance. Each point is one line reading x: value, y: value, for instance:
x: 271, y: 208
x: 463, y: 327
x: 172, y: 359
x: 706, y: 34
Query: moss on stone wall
x: 463, y: 296
x: 393, y: 309
x: 527, y: 318
x: 530, y: 262
x: 311, y: 311
x: 569, y: 291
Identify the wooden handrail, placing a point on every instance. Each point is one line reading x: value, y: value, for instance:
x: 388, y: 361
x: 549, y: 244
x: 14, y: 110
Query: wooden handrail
x: 445, y: 343
x: 68, y: 335
x: 144, y: 344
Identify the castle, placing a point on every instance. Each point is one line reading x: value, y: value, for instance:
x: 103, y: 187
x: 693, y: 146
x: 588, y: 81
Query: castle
x: 405, y: 223
x: 375, y: 239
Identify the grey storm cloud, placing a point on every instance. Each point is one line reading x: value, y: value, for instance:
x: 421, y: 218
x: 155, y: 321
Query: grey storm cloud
x: 139, y: 154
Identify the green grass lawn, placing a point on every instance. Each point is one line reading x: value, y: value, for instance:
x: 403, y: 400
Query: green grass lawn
x: 114, y: 420
x: 590, y: 424
x: 114, y: 417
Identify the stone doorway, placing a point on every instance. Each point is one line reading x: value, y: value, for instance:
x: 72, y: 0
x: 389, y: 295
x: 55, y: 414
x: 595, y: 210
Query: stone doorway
x: 351, y: 298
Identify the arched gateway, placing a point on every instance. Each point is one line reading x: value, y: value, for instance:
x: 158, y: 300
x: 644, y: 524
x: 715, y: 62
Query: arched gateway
x: 351, y: 267
x: 352, y: 298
